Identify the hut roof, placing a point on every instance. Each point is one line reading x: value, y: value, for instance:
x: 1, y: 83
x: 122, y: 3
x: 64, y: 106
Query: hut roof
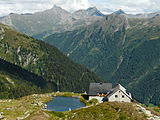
x: 96, y: 88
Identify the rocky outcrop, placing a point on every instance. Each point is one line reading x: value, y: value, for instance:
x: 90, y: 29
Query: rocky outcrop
x: 148, y: 113
x: 2, y: 33
x: 2, y: 116
x: 26, y: 57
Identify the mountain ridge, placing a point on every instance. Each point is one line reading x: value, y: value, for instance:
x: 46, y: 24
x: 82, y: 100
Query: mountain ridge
x: 49, y: 21
x: 112, y: 49
x: 119, y: 12
x: 91, y: 11
x: 42, y: 59
x: 56, y: 20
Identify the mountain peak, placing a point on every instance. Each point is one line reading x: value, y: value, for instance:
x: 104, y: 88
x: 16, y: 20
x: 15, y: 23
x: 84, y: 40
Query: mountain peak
x: 58, y: 10
x: 56, y: 7
x: 92, y: 8
x: 119, y: 12
x: 93, y: 11
x: 12, y: 13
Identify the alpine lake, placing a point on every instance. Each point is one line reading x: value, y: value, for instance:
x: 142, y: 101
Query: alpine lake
x: 62, y: 104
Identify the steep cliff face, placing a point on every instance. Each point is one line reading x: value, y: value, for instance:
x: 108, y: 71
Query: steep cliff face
x: 59, y: 72
x: 119, y: 49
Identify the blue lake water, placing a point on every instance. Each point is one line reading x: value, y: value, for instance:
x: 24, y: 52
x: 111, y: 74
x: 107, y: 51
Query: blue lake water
x: 64, y: 104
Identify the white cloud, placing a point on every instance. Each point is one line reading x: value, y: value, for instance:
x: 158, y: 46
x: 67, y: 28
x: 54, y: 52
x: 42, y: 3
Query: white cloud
x: 20, y: 6
x: 106, y: 6
x: 31, y: 6
x: 129, y: 6
x: 72, y: 5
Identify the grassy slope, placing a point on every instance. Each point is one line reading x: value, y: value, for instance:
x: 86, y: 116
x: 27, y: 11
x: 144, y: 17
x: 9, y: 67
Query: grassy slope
x: 44, y: 60
x: 106, y: 111
x: 155, y: 110
x: 21, y: 107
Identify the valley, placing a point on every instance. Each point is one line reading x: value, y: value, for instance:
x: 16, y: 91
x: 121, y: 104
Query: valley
x: 63, y: 53
x: 119, y: 49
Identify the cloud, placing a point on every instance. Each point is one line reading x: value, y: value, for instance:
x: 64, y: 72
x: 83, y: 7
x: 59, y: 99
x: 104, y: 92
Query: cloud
x: 23, y: 6
x: 72, y: 5
x: 129, y: 6
x: 31, y: 6
x: 106, y: 6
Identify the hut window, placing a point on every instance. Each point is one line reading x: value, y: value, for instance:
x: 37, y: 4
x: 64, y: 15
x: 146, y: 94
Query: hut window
x: 116, y: 96
x: 122, y: 96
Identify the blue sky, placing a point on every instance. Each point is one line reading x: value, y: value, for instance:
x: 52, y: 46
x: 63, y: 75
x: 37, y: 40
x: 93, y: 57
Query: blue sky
x: 106, y: 6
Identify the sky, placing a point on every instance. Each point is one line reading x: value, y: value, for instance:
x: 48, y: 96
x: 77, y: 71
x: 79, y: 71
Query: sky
x: 105, y: 6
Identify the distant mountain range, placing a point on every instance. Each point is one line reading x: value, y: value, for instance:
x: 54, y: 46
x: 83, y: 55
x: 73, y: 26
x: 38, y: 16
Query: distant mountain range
x: 119, y: 12
x: 56, y: 19
x: 42, y: 24
x: 56, y: 71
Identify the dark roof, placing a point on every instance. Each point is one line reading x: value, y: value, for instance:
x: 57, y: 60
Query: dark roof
x: 95, y: 88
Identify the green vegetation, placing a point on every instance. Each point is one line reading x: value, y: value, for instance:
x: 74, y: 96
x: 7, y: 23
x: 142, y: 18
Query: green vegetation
x: 22, y: 107
x: 54, y: 71
x: 67, y: 94
x: 151, y: 105
x: 120, y: 50
x: 89, y: 102
x: 56, y: 115
x: 17, y: 82
x: 155, y: 110
x: 30, y: 107
x: 104, y: 111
